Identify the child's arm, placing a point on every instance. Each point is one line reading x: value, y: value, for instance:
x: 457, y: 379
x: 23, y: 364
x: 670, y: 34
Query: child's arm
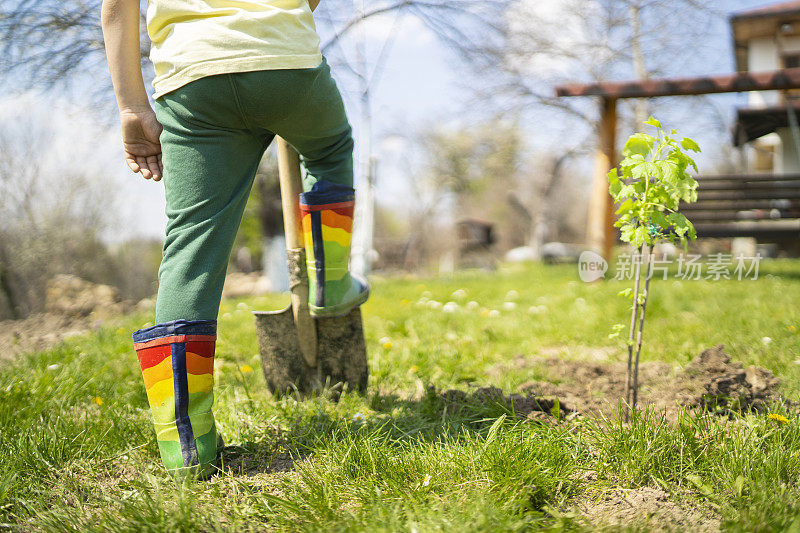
x: 140, y: 128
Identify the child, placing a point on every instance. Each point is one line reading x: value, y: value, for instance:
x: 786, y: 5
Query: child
x: 230, y: 75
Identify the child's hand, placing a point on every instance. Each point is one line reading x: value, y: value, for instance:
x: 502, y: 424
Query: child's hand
x: 140, y: 132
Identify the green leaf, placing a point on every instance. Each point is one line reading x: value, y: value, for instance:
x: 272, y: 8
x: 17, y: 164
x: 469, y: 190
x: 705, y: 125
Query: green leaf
x: 638, y: 143
x: 645, y: 170
x: 653, y: 122
x: 660, y: 219
x: 689, y: 144
x: 625, y: 206
x: 640, y: 236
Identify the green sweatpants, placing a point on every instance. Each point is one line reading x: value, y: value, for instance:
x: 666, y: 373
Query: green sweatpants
x: 215, y: 132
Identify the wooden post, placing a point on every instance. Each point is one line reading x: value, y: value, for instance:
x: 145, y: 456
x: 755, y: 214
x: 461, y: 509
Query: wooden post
x: 600, y: 231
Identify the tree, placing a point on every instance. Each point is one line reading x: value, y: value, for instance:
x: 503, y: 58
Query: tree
x: 597, y: 40
x: 51, y: 217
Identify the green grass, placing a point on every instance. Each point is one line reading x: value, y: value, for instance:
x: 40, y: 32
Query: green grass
x: 77, y: 451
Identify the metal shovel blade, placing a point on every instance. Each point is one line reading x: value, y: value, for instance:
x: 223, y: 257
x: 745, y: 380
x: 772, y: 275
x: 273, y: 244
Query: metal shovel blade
x: 341, y: 359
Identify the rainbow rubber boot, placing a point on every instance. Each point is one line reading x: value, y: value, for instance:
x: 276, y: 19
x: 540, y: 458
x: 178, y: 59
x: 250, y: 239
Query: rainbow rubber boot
x: 177, y: 360
x: 327, y: 214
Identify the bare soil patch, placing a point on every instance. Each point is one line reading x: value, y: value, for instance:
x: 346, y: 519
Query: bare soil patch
x: 647, y: 507
x: 40, y: 332
x: 712, y: 380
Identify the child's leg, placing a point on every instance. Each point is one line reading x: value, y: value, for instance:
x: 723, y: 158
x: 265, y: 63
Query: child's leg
x: 305, y: 108
x: 210, y: 160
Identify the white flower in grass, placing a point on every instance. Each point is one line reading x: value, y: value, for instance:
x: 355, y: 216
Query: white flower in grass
x: 512, y: 295
x: 359, y: 417
x: 509, y: 306
x: 427, y: 294
x: 242, y: 306
x: 451, y: 336
x: 580, y: 302
x: 766, y: 340
x: 450, y: 307
x: 427, y: 480
x: 433, y: 304
x: 459, y: 294
x: 226, y: 316
x: 54, y: 367
x: 494, y: 313
x: 473, y: 305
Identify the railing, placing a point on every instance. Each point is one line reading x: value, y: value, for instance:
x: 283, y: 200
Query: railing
x: 765, y: 206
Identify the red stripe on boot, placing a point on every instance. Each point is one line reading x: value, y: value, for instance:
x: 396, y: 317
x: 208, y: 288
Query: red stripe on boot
x: 150, y: 357
x: 174, y: 338
x: 201, y: 348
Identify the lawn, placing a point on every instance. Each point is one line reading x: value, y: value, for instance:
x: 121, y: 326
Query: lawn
x: 77, y: 450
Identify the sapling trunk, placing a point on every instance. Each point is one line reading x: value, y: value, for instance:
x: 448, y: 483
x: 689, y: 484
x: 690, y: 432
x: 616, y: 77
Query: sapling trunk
x: 632, y: 332
x: 642, y: 315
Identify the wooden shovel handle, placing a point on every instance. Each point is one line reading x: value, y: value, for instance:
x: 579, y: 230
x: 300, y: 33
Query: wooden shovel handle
x: 291, y: 187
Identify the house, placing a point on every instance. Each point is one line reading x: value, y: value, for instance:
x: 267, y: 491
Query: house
x: 768, y: 39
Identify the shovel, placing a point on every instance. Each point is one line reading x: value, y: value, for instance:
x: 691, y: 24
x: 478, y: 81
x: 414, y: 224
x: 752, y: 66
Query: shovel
x: 300, y: 352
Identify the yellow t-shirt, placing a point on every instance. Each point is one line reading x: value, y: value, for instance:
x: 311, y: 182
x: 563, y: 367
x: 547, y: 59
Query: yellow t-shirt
x: 192, y: 39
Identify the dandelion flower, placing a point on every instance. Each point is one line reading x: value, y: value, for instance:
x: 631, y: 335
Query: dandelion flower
x: 404, y: 302
x: 512, y: 295
x: 242, y: 306
x: 54, y: 367
x: 433, y: 304
x: 427, y: 294
x: 385, y: 342
x: 780, y: 419
x: 494, y: 313
x: 765, y: 340
x: 793, y: 329
x: 452, y: 336
x: 509, y: 306
x: 484, y: 312
x: 450, y: 307
x: 472, y: 305
x: 246, y: 368
x: 459, y: 294
x: 359, y: 417
x: 414, y: 369
x: 427, y: 480
x: 226, y: 316
x: 98, y: 400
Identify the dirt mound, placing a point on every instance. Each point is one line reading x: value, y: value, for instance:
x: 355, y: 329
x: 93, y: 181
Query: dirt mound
x: 710, y: 381
x: 647, y: 507
x: 74, y: 306
x: 39, y: 332
x: 74, y: 297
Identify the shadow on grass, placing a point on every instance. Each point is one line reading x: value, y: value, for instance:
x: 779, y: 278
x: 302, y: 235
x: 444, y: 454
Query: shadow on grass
x: 436, y: 414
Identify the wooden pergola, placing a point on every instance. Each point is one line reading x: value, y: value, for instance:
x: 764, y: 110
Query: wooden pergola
x: 601, y: 233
